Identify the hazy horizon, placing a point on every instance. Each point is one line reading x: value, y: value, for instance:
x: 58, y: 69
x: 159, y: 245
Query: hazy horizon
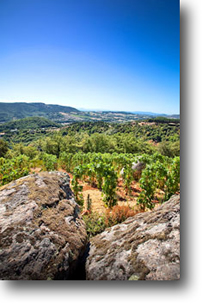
x: 87, y: 54
x: 89, y: 109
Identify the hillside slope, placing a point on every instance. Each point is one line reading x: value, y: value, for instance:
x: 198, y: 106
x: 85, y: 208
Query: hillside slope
x: 28, y: 123
x: 18, y: 110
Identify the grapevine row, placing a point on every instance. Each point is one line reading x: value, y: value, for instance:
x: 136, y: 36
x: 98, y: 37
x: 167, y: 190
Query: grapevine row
x: 103, y: 171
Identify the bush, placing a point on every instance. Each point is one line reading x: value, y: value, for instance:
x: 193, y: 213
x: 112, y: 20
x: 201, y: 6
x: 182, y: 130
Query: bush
x: 109, y: 186
x: 11, y: 169
x: 30, y: 151
x: 95, y: 223
x: 162, y: 173
x: 169, y: 149
x: 118, y: 214
x: 3, y: 148
x: 50, y: 161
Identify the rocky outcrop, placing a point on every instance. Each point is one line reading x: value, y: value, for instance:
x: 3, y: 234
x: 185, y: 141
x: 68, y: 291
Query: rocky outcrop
x: 41, y: 233
x: 42, y: 236
x: 144, y: 247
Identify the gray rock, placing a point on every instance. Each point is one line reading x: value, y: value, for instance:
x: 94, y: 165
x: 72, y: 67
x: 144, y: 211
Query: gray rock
x: 144, y: 247
x: 137, y: 168
x: 42, y: 234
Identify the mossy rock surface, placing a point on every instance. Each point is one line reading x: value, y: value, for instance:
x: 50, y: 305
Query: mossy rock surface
x: 42, y: 234
x: 144, y: 247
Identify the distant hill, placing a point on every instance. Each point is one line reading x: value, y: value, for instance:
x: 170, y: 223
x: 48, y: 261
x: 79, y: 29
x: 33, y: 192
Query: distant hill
x: 28, y: 123
x: 18, y: 110
x: 142, y: 113
x: 156, y: 114
x: 63, y: 114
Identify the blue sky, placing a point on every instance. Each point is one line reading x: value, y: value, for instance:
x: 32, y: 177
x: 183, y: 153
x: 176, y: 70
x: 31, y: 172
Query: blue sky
x: 94, y: 54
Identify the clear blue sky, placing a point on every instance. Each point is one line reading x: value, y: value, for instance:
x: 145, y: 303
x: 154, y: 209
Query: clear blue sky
x: 95, y: 54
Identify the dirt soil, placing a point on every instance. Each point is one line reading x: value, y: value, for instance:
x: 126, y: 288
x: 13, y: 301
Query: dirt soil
x: 98, y: 205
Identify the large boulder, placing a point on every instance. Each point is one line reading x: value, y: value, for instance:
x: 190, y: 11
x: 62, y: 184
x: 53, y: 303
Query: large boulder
x: 144, y: 247
x: 41, y: 233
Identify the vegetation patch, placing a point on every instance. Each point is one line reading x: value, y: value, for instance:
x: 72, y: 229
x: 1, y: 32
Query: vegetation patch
x: 99, y: 158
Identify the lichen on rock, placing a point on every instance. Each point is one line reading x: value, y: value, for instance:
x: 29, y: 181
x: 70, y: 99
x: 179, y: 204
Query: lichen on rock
x: 42, y: 234
x: 144, y: 247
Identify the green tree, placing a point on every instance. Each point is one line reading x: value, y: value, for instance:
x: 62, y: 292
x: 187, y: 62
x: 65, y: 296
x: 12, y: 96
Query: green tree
x: 3, y: 148
x: 50, y: 161
x: 30, y: 151
x: 170, y: 149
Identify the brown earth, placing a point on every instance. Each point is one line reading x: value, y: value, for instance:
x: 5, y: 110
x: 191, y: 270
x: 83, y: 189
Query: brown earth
x: 96, y: 197
x: 124, y: 198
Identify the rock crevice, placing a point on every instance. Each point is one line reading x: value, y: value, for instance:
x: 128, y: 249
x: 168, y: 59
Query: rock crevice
x: 42, y: 236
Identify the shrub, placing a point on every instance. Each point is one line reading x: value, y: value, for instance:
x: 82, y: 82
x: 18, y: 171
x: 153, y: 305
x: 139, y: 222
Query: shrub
x: 95, y: 223
x: 78, y: 173
x: 109, y: 186
x: 3, y: 148
x: 50, y: 161
x: 118, y: 214
x: 11, y: 169
x: 89, y: 203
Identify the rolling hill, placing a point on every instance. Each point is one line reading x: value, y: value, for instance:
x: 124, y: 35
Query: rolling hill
x: 28, y: 123
x: 65, y: 115
x: 19, y: 110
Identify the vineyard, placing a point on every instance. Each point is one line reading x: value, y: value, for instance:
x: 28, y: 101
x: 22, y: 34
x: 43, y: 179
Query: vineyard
x: 101, y: 167
x: 156, y: 182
